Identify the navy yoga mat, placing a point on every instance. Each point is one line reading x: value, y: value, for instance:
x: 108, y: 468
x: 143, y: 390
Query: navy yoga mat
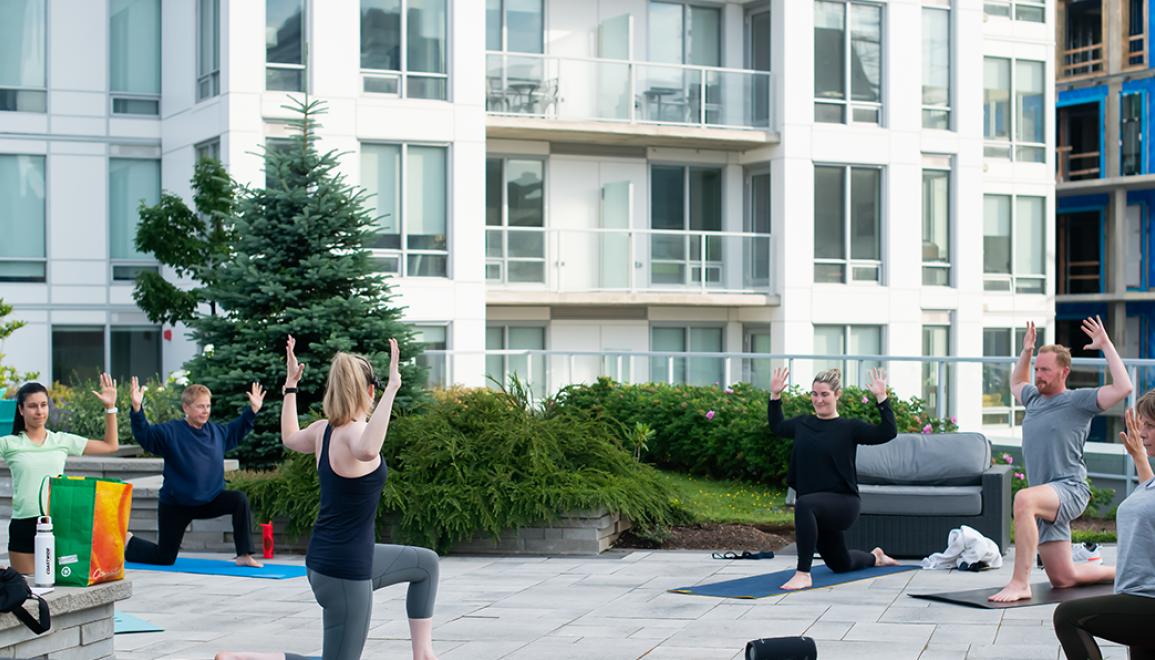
x: 1041, y: 594
x: 762, y: 586
x: 218, y: 567
x: 126, y: 623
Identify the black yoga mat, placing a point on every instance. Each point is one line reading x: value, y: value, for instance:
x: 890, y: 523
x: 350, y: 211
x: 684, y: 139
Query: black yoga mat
x: 762, y: 586
x: 1042, y: 593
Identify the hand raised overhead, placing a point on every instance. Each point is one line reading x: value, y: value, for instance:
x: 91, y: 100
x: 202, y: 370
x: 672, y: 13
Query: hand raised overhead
x: 256, y: 397
x: 778, y: 382
x: 1097, y: 332
x: 877, y: 384
x: 295, y: 369
x: 107, y: 393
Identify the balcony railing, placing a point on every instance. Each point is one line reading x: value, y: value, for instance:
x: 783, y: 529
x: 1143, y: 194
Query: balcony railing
x: 627, y: 261
x: 1065, y: 157
x: 577, y: 89
x: 1082, y: 61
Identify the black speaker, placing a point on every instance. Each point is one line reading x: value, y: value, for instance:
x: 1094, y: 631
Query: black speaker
x: 782, y: 648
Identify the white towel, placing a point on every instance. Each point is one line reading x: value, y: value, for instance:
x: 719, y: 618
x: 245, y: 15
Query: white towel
x: 965, y: 544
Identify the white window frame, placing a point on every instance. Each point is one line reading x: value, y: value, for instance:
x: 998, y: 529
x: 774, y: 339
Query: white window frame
x: 399, y: 79
x: 686, y: 328
x: 1013, y: 9
x: 1013, y: 410
x: 948, y: 263
x: 505, y: 30
x: 208, y: 82
x: 861, y: 370
x: 41, y: 93
x: 403, y: 253
x: 693, y: 272
x: 47, y: 222
x: 532, y: 361
x: 445, y: 376
x: 129, y: 97
x: 942, y: 388
x: 1012, y: 278
x: 106, y: 329
x: 306, y: 26
x: 848, y: 261
x: 501, y: 264
x: 944, y: 5
x: 1012, y: 144
x: 133, y: 264
x: 849, y: 106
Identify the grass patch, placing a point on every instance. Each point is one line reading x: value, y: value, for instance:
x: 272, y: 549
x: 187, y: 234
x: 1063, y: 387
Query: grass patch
x: 730, y: 501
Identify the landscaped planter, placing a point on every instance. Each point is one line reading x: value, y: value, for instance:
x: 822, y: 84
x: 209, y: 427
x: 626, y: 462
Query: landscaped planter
x: 7, y: 414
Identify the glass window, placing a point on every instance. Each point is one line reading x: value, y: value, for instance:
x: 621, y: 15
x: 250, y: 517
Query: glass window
x: 518, y: 25
x: 434, y: 337
x: 134, y: 56
x: 999, y: 406
x: 1029, y: 117
x: 848, y: 340
x: 23, y: 51
x: 1021, y: 10
x: 936, y: 227
x: 22, y: 218
x: 1132, y: 133
x: 418, y: 49
x: 936, y: 393
x: 847, y: 219
x: 529, y: 368
x: 757, y: 371
x: 210, y: 149
x: 515, y: 251
x: 131, y: 182
x: 685, y: 34
x: 936, y: 68
x: 136, y: 351
x: 285, y: 45
x: 688, y: 370
x: 678, y: 256
x: 1021, y: 235
x: 208, y: 48
x: 77, y: 353
x: 847, y: 58
x: 408, y: 192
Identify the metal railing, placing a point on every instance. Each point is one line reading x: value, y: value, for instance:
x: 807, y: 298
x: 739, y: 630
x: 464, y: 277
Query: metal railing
x: 587, y: 89
x: 627, y: 260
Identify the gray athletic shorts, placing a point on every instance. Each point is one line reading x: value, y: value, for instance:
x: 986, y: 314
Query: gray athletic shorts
x: 1073, y: 499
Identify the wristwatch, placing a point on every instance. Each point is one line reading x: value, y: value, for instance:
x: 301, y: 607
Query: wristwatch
x: 288, y: 390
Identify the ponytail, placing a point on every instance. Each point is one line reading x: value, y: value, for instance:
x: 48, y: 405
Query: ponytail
x: 21, y: 396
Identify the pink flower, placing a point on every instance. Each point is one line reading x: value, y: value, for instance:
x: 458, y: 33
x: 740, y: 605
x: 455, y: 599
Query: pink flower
x: 954, y: 420
x: 1019, y: 475
x: 710, y: 415
x: 926, y: 429
x: 728, y: 391
x: 865, y: 400
x: 1010, y: 459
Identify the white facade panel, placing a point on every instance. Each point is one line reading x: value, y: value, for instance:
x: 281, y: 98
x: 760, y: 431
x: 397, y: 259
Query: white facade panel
x: 77, y: 207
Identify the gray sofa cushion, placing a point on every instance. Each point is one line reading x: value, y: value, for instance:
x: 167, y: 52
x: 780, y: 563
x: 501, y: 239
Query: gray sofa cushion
x: 922, y: 500
x: 930, y: 459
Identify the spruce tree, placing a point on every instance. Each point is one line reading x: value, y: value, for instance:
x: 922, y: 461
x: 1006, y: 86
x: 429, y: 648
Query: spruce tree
x: 299, y: 268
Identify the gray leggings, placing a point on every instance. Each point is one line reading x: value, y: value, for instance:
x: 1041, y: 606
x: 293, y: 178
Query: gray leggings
x: 348, y: 604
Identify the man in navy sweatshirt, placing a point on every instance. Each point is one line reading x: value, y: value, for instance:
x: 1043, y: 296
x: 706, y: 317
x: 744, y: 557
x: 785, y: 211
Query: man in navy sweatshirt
x: 194, y: 474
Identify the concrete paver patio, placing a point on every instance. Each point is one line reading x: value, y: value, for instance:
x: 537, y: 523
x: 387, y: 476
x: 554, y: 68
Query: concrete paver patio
x: 610, y: 607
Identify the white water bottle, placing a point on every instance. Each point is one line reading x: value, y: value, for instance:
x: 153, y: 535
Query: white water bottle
x: 45, y: 553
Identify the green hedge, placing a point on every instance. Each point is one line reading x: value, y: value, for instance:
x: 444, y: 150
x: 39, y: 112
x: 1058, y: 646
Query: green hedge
x: 724, y: 432
x: 482, y: 461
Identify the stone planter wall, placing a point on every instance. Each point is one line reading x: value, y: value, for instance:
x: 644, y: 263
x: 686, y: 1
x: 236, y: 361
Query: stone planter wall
x: 81, y: 624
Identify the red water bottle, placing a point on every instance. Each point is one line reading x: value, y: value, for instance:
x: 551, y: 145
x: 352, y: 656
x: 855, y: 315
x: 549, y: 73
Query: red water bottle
x: 267, y: 536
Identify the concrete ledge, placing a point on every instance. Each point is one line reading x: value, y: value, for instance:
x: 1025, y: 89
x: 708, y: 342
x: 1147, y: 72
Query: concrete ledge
x: 81, y: 624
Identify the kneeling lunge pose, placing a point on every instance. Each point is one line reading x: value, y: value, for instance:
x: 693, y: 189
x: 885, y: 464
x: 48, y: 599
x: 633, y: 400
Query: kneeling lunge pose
x: 344, y: 565
x: 823, y: 473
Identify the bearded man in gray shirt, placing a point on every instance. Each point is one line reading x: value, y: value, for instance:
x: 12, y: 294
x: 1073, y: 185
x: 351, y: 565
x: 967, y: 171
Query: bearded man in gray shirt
x: 1055, y: 428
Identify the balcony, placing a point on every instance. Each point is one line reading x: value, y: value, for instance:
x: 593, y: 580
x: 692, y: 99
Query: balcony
x: 636, y: 264
x: 626, y: 103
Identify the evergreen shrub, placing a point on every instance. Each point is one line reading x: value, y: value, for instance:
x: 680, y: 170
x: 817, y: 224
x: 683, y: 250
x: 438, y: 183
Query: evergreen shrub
x: 479, y: 461
x: 723, y: 432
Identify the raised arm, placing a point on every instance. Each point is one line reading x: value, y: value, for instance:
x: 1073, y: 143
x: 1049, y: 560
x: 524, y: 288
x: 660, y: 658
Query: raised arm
x: 1109, y: 395
x: 107, y: 396
x: 1133, y: 442
x: 779, y: 425
x: 292, y: 436
x: 1021, y: 376
x: 887, y: 428
x: 368, y: 446
x: 145, y: 435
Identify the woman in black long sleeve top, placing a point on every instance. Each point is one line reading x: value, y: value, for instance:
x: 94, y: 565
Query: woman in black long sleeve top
x: 822, y: 471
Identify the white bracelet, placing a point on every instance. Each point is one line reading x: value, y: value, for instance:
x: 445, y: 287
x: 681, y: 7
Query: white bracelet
x: 110, y: 411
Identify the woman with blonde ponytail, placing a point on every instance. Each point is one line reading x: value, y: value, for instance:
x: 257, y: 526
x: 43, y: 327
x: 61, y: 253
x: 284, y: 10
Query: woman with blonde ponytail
x: 345, y: 565
x: 823, y: 474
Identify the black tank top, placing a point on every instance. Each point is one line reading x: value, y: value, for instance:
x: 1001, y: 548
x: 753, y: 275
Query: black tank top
x: 344, y: 534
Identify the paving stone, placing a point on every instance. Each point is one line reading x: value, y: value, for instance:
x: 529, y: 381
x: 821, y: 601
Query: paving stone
x: 1015, y: 651
x: 895, y: 632
x: 962, y: 635
x: 869, y: 650
x: 828, y: 629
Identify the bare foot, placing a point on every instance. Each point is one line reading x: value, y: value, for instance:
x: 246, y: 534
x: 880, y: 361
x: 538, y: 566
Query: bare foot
x: 799, y: 581
x: 1012, y: 592
x: 881, y: 558
x: 247, y: 560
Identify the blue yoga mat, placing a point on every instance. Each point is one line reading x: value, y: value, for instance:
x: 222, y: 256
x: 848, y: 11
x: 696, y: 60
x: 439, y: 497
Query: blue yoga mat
x: 126, y: 623
x: 762, y: 586
x: 218, y: 567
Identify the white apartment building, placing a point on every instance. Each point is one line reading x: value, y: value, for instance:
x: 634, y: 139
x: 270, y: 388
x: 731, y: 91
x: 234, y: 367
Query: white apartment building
x: 597, y: 176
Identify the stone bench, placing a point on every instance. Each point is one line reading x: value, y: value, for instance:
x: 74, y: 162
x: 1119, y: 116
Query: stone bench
x: 81, y: 624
